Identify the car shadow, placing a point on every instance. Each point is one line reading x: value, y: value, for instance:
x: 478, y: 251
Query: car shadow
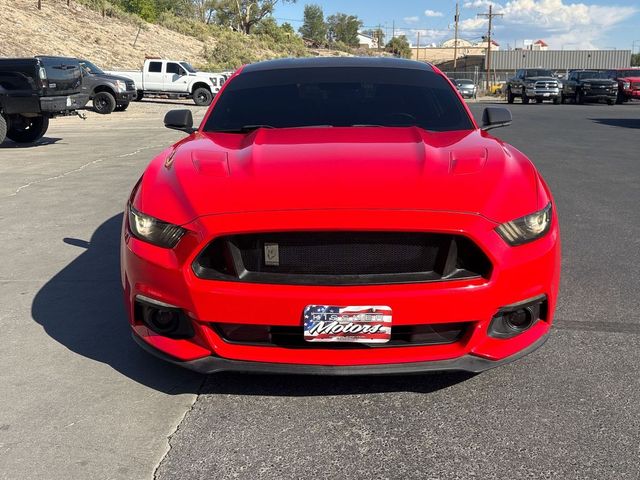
x: 619, y: 122
x: 40, y: 143
x: 82, y: 308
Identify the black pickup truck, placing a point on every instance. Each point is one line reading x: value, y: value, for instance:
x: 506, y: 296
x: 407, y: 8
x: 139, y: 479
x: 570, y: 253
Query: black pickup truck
x: 589, y: 86
x: 533, y: 84
x: 34, y: 90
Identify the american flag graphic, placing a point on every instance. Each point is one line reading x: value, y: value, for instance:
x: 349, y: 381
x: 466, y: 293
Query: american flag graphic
x: 359, y: 324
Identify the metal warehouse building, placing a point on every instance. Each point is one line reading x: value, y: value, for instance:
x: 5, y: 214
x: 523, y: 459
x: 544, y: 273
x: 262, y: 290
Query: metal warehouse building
x: 559, y: 59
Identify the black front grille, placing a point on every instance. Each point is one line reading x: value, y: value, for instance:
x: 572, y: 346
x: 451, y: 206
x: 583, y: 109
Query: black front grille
x: 293, y: 337
x: 341, y: 258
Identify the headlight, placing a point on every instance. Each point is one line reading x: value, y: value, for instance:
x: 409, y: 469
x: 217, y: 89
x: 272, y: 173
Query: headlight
x: 121, y: 86
x: 626, y: 85
x: 154, y: 231
x: 559, y: 84
x: 526, y: 229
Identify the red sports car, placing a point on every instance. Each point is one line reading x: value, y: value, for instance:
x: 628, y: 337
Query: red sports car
x: 340, y: 216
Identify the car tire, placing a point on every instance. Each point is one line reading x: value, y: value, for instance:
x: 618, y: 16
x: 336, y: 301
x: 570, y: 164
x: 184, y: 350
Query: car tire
x: 121, y: 107
x: 539, y: 100
x: 579, y: 97
x: 620, y: 98
x: 510, y: 96
x: 611, y: 101
x: 556, y: 100
x: 3, y: 129
x: 27, y: 129
x: 104, y: 103
x: 139, y: 96
x: 202, y: 97
x: 525, y: 99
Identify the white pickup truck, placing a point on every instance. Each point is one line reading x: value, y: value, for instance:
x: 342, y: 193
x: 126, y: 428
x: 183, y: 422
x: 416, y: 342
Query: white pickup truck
x: 175, y: 78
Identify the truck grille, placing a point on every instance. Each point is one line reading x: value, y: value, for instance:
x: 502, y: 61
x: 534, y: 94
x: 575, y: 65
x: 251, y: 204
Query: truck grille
x: 341, y: 258
x: 130, y: 85
x: 546, y: 85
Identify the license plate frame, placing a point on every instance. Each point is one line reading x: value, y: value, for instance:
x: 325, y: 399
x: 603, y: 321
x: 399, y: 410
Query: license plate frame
x: 347, y: 324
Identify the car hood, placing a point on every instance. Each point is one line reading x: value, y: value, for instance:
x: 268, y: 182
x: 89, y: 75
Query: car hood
x: 541, y: 79
x: 110, y: 77
x: 338, y: 168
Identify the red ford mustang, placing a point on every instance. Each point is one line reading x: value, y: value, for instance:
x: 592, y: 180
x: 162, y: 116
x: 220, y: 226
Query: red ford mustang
x: 340, y: 216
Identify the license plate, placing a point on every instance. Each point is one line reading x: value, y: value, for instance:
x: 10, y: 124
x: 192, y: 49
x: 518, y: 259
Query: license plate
x: 357, y: 324
x: 546, y: 94
x: 68, y: 101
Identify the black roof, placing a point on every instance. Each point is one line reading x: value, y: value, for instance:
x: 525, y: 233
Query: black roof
x: 353, y: 62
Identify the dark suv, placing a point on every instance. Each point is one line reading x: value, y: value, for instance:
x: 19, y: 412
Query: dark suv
x: 589, y: 86
x: 34, y: 90
x: 108, y: 92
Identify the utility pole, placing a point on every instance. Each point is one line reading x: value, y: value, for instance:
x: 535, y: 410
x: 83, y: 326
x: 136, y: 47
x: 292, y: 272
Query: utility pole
x: 418, y: 49
x: 490, y: 16
x: 393, y: 30
x: 455, y: 39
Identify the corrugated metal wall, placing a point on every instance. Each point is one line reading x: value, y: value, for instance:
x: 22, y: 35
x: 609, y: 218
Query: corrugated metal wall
x: 559, y: 59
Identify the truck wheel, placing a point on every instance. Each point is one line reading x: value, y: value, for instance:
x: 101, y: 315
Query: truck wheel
x: 202, y: 97
x: 139, y: 96
x: 27, y: 129
x: 104, y: 103
x: 579, y: 97
x: 525, y: 99
x: 510, y: 97
x: 539, y: 100
x: 620, y: 98
x: 121, y: 107
x: 556, y: 100
x: 3, y: 129
x: 611, y: 101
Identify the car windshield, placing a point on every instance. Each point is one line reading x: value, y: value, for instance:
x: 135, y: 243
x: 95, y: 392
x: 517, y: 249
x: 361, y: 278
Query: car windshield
x: 338, y: 97
x: 187, y: 66
x: 90, y: 67
x: 539, y: 73
x: 586, y: 75
x: 627, y: 73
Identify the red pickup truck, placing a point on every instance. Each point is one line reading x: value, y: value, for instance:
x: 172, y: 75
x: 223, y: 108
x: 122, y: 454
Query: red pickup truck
x: 628, y: 83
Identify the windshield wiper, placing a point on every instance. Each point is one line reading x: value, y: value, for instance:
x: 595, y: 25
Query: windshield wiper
x: 243, y: 129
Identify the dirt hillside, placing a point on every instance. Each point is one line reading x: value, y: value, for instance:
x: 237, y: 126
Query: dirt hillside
x: 80, y: 32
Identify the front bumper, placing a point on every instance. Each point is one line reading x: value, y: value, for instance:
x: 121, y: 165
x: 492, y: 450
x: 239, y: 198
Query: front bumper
x: 544, y: 94
x: 126, y: 97
x: 465, y: 363
x: 519, y: 273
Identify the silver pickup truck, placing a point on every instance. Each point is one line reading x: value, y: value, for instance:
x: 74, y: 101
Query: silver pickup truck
x: 534, y: 84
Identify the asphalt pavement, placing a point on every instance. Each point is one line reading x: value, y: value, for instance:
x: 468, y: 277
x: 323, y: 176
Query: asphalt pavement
x: 80, y: 400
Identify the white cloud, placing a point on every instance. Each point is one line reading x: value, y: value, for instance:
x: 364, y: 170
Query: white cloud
x: 410, y: 20
x: 576, y: 25
x: 433, y: 13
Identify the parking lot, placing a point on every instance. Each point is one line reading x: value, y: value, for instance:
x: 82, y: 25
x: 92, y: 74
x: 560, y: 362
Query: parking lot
x: 80, y: 400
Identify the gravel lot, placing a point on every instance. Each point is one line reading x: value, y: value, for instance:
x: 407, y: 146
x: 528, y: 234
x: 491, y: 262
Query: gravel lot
x: 80, y: 400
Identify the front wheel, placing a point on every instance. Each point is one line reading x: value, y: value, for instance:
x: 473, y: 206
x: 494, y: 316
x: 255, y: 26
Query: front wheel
x: 139, y: 96
x: 611, y: 101
x: 3, y: 129
x: 104, y: 103
x: 27, y: 129
x: 539, y: 100
x: 202, y: 97
x: 579, y: 97
x: 525, y: 99
x: 121, y: 107
x: 556, y: 100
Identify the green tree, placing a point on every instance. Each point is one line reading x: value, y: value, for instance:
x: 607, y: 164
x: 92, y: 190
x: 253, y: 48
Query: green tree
x: 344, y: 28
x: 146, y: 9
x: 243, y: 15
x: 399, y: 46
x: 314, y: 27
x: 635, y: 60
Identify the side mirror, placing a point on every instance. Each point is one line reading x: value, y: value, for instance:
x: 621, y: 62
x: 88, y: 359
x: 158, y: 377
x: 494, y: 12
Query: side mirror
x: 495, y: 117
x: 181, y: 120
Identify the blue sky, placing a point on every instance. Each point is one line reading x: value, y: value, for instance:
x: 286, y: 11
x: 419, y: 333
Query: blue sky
x: 563, y: 24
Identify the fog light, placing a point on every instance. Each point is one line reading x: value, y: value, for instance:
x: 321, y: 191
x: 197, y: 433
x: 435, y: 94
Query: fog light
x: 514, y: 319
x: 163, y: 319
